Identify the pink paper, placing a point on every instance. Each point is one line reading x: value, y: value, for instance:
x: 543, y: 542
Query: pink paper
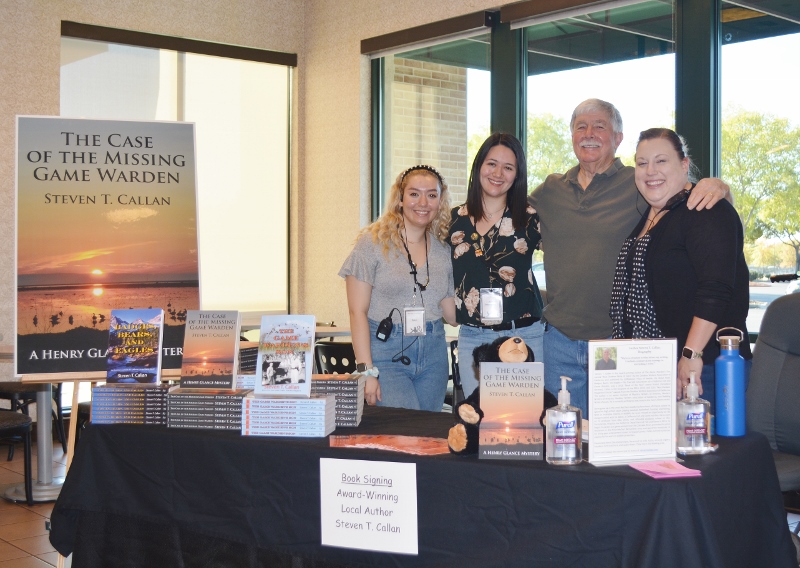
x: 664, y: 469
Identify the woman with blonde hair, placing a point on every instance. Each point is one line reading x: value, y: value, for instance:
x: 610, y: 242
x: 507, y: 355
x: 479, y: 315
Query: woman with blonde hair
x: 399, y: 283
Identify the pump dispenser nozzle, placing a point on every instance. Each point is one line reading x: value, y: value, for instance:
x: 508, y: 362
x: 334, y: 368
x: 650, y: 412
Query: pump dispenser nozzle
x: 563, y: 394
x: 692, y: 390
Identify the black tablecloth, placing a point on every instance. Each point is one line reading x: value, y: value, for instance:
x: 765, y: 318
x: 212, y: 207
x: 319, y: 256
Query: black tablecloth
x: 152, y: 496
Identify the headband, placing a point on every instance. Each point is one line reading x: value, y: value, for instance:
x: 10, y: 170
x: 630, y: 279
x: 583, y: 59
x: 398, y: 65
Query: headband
x: 422, y: 167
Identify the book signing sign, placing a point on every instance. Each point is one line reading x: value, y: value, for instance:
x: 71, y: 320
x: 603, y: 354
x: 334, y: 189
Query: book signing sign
x: 369, y: 505
x: 106, y: 217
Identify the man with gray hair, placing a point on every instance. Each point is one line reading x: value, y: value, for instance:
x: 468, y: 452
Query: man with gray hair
x: 585, y: 216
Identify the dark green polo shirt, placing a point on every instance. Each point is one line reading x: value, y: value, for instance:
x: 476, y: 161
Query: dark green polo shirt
x: 582, y: 232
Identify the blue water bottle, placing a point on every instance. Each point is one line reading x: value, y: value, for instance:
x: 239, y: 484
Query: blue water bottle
x: 729, y: 368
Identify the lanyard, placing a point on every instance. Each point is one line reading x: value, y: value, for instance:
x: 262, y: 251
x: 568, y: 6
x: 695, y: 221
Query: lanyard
x: 413, y: 266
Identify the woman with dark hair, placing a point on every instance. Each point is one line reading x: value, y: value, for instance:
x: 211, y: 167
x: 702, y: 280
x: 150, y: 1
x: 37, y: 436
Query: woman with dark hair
x: 399, y: 271
x: 492, y: 238
x: 681, y: 273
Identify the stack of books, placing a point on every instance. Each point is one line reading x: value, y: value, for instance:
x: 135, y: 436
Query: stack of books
x: 349, y: 391
x: 208, y: 409
x: 267, y: 415
x: 117, y: 404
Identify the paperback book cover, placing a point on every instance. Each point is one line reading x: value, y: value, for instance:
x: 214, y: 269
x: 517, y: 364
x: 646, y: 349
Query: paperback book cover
x: 284, y: 360
x: 134, y: 346
x: 512, y: 400
x: 210, y: 349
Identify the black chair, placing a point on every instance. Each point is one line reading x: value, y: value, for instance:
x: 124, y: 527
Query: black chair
x: 334, y: 358
x: 773, y: 395
x: 22, y: 395
x: 13, y: 427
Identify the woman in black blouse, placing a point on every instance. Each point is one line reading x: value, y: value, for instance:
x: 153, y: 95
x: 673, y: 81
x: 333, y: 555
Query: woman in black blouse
x: 492, y: 237
x: 681, y: 273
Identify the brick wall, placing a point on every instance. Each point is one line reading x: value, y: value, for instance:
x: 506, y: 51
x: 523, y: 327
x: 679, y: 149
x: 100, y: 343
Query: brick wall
x: 427, y: 120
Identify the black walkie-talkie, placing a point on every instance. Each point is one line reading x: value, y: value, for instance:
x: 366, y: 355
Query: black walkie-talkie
x: 384, y: 328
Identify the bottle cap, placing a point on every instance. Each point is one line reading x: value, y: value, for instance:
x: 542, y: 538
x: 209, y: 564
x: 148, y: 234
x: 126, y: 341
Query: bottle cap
x: 730, y: 341
x: 692, y: 390
x: 563, y: 394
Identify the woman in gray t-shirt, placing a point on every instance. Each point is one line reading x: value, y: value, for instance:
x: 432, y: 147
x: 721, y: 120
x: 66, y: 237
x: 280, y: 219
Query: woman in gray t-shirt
x: 400, y: 271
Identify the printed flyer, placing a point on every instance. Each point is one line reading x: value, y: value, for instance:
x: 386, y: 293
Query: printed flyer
x: 106, y: 219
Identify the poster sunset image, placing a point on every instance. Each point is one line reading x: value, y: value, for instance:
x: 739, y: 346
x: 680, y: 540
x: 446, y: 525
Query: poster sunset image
x: 106, y: 219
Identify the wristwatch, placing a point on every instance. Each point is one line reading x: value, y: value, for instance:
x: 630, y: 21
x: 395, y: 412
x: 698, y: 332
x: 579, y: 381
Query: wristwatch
x: 690, y: 353
x: 368, y: 371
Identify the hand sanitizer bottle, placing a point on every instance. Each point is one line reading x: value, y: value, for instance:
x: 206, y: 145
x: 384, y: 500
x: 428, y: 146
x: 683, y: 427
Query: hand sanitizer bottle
x: 694, y: 416
x: 564, y: 430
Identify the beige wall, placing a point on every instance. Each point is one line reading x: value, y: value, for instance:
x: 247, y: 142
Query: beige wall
x: 330, y: 152
x: 336, y: 136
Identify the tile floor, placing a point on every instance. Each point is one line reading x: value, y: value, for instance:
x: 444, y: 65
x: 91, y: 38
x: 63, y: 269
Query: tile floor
x: 24, y: 542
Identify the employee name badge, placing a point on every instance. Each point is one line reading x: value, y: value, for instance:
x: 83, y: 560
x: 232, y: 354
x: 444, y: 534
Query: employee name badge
x: 414, y: 320
x: 491, y: 306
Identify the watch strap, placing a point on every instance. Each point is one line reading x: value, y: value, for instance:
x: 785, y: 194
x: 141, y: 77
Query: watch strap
x: 690, y: 353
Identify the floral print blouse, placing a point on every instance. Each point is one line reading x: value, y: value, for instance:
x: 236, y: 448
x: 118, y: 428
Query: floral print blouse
x: 499, y: 259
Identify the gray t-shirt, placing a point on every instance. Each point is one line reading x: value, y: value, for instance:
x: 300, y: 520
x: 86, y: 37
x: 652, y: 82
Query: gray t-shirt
x: 582, y: 232
x: 391, y: 280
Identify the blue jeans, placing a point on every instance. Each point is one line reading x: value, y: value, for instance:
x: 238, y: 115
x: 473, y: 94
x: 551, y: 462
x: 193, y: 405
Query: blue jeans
x: 570, y: 358
x: 470, y: 337
x: 420, y: 385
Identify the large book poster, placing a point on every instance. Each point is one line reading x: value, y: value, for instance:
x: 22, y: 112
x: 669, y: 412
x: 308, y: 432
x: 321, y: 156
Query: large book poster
x: 106, y: 219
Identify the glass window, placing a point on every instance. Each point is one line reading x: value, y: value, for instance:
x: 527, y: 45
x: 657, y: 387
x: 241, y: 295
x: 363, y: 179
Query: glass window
x: 241, y: 112
x: 436, y: 111
x: 601, y: 54
x: 760, y: 147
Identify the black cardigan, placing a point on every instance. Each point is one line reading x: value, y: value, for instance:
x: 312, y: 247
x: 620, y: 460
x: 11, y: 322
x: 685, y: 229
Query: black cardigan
x: 695, y: 267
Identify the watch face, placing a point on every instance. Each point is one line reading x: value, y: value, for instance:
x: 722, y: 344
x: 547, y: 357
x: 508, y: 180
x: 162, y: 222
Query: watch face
x: 690, y: 354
